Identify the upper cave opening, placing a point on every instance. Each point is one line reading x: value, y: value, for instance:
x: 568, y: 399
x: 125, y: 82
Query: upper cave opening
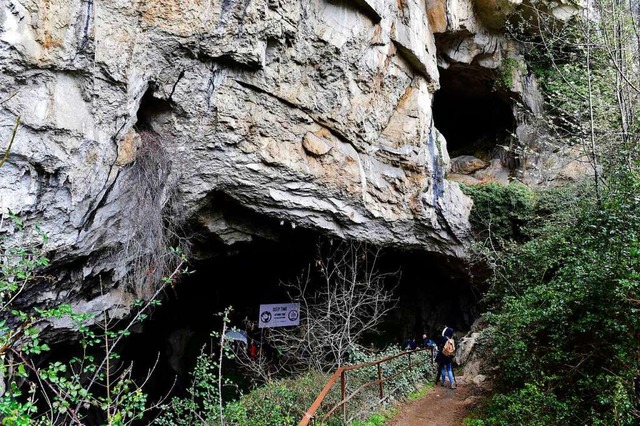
x: 470, y: 110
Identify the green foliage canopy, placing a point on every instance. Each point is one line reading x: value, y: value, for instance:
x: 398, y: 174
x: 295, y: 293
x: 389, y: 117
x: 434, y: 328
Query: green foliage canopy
x: 565, y: 309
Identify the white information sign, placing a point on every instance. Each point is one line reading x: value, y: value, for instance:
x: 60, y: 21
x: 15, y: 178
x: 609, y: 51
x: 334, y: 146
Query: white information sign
x: 279, y: 315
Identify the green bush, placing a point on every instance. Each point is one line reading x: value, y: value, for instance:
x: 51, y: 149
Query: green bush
x: 564, y: 311
x: 281, y: 402
x: 402, y: 381
x: 529, y: 405
x: 37, y: 390
x: 373, y: 420
x: 500, y: 211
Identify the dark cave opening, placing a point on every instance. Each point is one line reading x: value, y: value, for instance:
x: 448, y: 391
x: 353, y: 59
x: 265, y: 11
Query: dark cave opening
x: 429, y: 296
x: 242, y: 277
x: 471, y: 111
x: 243, y: 266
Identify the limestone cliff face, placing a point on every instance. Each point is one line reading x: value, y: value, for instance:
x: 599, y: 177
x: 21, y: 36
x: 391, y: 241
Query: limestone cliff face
x: 314, y: 113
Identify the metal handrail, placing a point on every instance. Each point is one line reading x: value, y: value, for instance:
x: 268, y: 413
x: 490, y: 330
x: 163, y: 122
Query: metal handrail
x: 341, y: 372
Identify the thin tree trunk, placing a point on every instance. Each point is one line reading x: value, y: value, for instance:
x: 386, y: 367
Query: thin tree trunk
x: 224, y: 330
x: 594, y: 156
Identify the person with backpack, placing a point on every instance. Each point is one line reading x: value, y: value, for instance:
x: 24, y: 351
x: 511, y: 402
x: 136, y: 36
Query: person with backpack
x: 444, y: 358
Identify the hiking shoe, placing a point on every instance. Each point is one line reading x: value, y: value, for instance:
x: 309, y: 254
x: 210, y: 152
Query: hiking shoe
x: 453, y: 386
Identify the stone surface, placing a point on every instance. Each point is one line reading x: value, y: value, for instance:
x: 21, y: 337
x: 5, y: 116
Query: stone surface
x: 472, y: 354
x: 316, y: 145
x: 467, y: 164
x: 480, y: 378
x: 464, y: 179
x: 316, y: 114
x: 470, y: 170
x: 312, y: 113
x: 465, y: 347
x: 547, y: 161
x: 452, y: 16
x: 494, y: 14
x: 496, y: 172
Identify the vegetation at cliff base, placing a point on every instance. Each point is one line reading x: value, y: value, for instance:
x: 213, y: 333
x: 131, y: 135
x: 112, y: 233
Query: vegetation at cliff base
x: 565, y: 308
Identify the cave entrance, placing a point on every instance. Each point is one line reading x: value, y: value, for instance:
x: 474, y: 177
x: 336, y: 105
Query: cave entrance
x: 432, y: 291
x: 471, y: 111
x: 240, y: 259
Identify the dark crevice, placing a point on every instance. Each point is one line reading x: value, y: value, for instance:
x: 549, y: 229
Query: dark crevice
x: 150, y: 108
x: 173, y: 89
x: 87, y: 221
x: 414, y: 63
x: 361, y: 6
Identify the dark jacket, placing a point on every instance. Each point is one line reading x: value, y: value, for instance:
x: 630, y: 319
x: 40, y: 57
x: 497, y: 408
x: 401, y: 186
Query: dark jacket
x: 442, y: 359
x: 410, y: 344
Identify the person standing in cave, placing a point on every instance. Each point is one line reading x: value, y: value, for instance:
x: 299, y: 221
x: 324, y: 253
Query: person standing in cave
x: 410, y: 344
x: 426, y: 342
x: 253, y: 350
x: 444, y: 358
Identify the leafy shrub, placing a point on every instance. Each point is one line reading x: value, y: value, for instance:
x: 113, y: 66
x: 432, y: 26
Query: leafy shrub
x: 508, y: 68
x: 373, y: 420
x: 530, y: 405
x: 500, y: 211
x: 402, y: 381
x: 35, y: 390
x: 283, y: 402
x: 565, y: 313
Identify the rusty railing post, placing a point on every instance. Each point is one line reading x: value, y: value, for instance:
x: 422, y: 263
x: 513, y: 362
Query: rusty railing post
x: 343, y: 390
x: 380, y: 381
x: 309, y: 415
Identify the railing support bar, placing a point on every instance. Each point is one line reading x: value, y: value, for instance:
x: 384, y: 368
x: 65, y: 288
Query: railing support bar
x: 309, y: 415
x: 343, y: 390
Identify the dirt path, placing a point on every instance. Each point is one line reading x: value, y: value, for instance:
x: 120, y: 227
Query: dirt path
x: 440, y: 406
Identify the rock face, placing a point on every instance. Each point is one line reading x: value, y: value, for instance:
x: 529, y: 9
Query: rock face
x: 317, y: 114
x: 477, y: 62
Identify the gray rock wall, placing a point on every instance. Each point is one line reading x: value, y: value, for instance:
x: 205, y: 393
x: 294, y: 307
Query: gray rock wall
x: 315, y: 113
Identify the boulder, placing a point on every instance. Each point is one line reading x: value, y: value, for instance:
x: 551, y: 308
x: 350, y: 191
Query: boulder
x: 467, y: 164
x: 315, y: 145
